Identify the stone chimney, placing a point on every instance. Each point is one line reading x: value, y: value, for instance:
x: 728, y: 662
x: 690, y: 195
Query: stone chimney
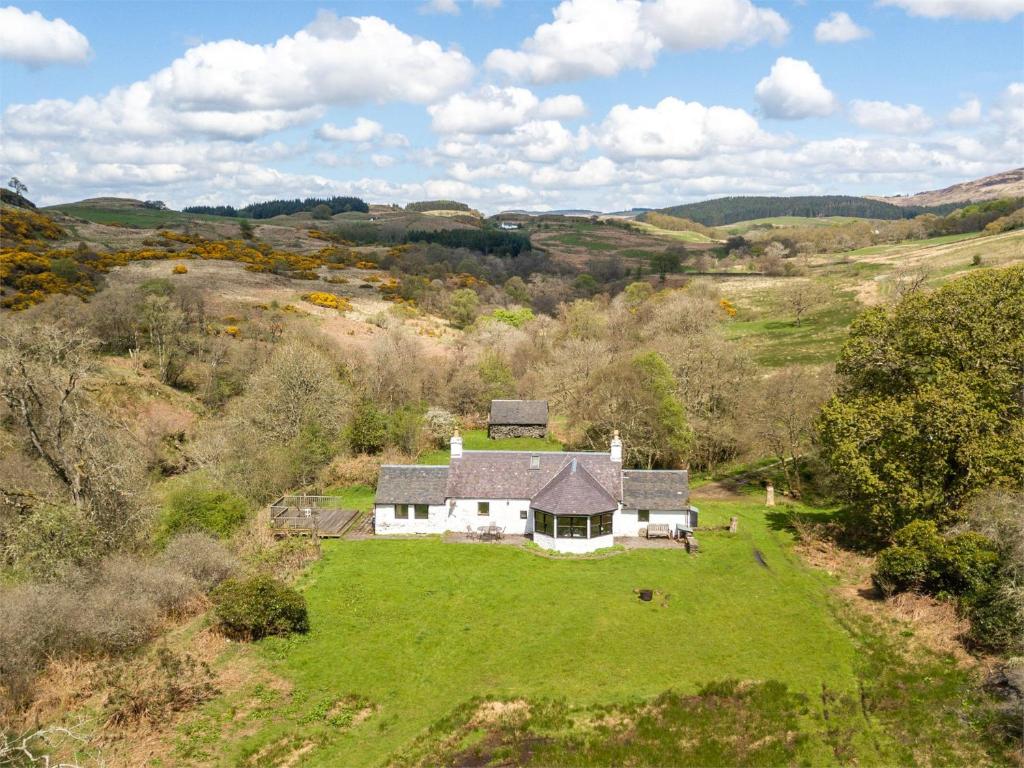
x: 456, y: 445
x: 616, y: 447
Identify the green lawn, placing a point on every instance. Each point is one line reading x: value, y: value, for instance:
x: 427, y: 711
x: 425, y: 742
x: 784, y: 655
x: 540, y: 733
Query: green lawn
x: 477, y: 440
x: 416, y: 628
x: 777, y: 341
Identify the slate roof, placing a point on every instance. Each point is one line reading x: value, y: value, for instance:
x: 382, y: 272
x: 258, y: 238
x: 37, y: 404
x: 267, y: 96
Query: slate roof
x: 519, y: 412
x: 401, y: 484
x: 574, y: 491
x: 507, y: 474
x: 655, y: 489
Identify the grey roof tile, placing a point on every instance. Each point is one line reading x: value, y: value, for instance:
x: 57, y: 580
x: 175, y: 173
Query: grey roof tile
x: 519, y: 412
x: 574, y: 491
x: 666, y: 489
x: 507, y: 474
x: 411, y: 484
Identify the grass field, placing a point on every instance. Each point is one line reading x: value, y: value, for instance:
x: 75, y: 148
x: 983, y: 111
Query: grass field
x: 683, y: 235
x: 477, y: 440
x: 739, y: 227
x: 408, y: 633
x: 774, y: 339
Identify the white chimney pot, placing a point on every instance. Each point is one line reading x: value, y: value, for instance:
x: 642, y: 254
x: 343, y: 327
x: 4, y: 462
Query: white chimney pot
x: 616, y: 450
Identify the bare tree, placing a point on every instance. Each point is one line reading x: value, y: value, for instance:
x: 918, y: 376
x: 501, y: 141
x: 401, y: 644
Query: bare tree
x: 908, y: 279
x: 802, y: 296
x: 785, y: 417
x: 44, y: 369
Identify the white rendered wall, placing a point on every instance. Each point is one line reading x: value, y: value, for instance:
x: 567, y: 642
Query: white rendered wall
x: 626, y: 521
x: 504, y: 513
x: 573, y: 546
x: 385, y: 522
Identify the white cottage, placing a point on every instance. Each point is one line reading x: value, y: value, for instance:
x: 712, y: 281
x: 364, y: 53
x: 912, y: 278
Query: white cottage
x: 568, y: 502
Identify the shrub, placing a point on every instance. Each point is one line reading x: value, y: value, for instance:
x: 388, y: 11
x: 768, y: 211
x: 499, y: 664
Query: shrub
x: 149, y: 691
x: 997, y: 621
x: 921, y: 558
x: 516, y: 317
x: 322, y: 212
x: 439, y: 426
x: 200, y: 557
x: 197, y: 505
x: 368, y: 430
x: 463, y: 307
x: 329, y: 300
x: 179, y: 269
x: 253, y: 608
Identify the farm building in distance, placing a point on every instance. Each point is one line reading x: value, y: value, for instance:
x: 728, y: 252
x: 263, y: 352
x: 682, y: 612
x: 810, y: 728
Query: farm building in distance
x: 573, y: 502
x: 518, y: 418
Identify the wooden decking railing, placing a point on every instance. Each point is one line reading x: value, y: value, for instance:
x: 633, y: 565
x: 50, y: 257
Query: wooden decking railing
x: 321, y: 516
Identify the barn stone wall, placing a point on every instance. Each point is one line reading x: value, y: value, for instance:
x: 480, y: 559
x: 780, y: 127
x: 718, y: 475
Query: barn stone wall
x: 499, y: 431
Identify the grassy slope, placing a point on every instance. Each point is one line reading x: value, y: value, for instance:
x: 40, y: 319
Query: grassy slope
x: 739, y: 227
x: 685, y: 236
x: 419, y: 627
x: 128, y: 216
x: 476, y: 440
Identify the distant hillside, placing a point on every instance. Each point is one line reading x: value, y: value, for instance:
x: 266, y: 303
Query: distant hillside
x: 727, y: 210
x: 271, y: 208
x: 438, y: 205
x: 1005, y: 184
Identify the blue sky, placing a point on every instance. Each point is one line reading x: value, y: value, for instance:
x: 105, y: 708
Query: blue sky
x: 587, y: 103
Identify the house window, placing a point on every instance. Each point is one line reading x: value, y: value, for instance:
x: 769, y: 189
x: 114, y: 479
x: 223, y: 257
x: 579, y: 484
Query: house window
x: 543, y: 523
x: 523, y: 514
x: 643, y: 515
x: 483, y: 508
x: 401, y: 511
x: 535, y: 462
x: 572, y: 528
x: 422, y: 512
x: 601, y: 525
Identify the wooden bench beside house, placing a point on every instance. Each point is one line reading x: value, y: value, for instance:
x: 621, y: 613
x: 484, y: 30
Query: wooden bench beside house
x: 658, y: 531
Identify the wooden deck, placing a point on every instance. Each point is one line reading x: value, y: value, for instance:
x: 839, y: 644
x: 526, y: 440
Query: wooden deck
x: 304, y: 515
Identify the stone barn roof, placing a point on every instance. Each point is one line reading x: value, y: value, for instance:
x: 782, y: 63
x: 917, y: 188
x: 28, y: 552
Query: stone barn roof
x: 655, y: 489
x: 520, y: 413
x: 411, y: 484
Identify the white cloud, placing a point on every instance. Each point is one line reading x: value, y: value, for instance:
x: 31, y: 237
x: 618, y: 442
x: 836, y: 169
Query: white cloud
x: 587, y: 37
x: 362, y: 130
x: 492, y: 109
x: 440, y: 6
x: 676, y: 128
x: 1008, y: 111
x: 240, y: 90
x: 565, y: 107
x: 839, y: 28
x: 793, y: 90
x: 33, y: 39
x: 382, y: 161
x: 886, y: 117
x: 1001, y: 10
x: 687, y: 25
x: 602, y: 37
x: 967, y: 113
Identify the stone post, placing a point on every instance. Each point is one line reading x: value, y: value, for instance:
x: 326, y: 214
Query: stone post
x: 770, y: 498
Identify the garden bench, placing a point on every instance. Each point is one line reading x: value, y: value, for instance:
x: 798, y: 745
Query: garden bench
x: 658, y: 531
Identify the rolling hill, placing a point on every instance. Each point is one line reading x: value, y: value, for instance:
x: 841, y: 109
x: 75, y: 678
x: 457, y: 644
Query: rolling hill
x: 1006, y: 184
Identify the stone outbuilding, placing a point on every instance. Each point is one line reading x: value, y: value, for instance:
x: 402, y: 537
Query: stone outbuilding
x: 518, y: 418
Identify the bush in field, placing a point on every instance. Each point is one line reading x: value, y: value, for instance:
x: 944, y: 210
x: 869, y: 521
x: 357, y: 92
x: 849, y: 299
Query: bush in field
x: 463, y: 307
x: 368, y: 430
x: 321, y: 212
x: 51, y: 541
x: 197, y: 505
x: 200, y: 557
x: 517, y: 317
x: 257, y: 607
x: 921, y: 558
x: 152, y: 689
x: 439, y: 426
